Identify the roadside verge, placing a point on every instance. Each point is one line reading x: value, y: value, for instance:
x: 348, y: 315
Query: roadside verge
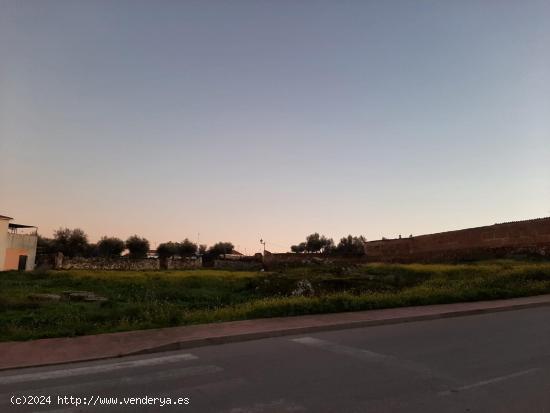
x: 95, y: 347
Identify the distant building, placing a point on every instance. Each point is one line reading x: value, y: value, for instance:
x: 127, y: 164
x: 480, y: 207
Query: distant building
x: 17, y: 245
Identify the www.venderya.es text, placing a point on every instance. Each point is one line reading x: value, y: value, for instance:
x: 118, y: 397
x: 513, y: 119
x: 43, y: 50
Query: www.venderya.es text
x: 95, y: 400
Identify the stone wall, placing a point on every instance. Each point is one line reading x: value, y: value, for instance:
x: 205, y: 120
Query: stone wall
x: 59, y: 262
x: 181, y: 263
x: 273, y: 261
x: 239, y: 265
x: 523, y: 238
x: 121, y: 264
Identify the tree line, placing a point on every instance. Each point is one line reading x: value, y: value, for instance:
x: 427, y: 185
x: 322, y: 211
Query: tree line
x: 316, y: 243
x: 75, y: 243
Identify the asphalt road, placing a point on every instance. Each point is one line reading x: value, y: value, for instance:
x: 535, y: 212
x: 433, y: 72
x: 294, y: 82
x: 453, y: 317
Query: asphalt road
x: 497, y: 362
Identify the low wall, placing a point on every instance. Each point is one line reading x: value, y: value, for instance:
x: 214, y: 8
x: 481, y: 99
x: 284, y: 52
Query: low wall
x: 120, y: 264
x: 295, y: 259
x: 181, y: 264
x: 243, y: 265
x: 59, y: 262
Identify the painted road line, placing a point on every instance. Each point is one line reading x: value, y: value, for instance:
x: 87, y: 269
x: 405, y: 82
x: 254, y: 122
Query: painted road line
x: 105, y: 388
x: 340, y: 349
x: 103, y: 368
x: 489, y: 381
x: 421, y: 370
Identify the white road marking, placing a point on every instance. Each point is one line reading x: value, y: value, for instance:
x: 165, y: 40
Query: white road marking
x: 338, y: 348
x: 425, y: 372
x: 103, y: 368
x: 489, y: 381
x: 105, y: 387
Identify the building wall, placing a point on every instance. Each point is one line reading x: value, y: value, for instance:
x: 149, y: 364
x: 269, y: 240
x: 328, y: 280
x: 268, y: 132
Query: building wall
x: 501, y: 240
x: 3, y: 241
x: 20, y: 244
x: 12, y: 258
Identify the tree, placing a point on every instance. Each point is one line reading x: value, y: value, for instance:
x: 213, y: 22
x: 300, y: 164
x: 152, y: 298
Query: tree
x: 46, y: 245
x: 301, y: 247
x: 351, y: 245
x: 318, y: 243
x: 314, y: 243
x: 93, y: 251
x: 202, y: 249
x: 167, y: 250
x: 139, y: 247
x: 221, y: 248
x: 186, y: 248
x: 72, y: 243
x: 110, y: 247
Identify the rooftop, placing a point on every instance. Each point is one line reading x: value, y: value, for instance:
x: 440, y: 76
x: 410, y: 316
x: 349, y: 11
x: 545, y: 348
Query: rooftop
x: 15, y: 226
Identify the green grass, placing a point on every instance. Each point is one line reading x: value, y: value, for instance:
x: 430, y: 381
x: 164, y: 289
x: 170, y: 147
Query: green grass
x: 152, y: 299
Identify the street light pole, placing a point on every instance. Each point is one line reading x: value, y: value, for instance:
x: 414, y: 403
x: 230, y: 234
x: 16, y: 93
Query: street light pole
x: 263, y: 243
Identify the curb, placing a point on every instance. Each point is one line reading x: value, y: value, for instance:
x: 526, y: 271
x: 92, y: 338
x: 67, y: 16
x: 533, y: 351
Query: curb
x: 235, y: 338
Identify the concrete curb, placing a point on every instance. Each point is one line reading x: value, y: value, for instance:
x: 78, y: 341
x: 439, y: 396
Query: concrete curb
x: 235, y: 338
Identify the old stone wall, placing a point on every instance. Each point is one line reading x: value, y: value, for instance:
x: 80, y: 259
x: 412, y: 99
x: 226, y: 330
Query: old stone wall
x: 122, y: 264
x: 59, y: 262
x: 181, y: 263
x: 272, y: 261
x: 243, y: 263
x: 528, y: 238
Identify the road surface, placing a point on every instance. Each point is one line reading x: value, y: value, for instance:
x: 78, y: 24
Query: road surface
x: 497, y: 362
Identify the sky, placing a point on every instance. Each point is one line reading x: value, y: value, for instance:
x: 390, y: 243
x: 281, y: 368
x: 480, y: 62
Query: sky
x: 235, y: 121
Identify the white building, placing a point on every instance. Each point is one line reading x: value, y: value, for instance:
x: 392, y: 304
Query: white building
x: 17, y: 245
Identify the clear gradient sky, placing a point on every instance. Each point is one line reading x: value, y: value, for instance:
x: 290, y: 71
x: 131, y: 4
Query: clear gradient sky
x: 273, y: 119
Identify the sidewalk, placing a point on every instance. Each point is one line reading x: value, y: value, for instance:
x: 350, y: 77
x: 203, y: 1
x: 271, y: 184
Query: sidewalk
x: 64, y: 350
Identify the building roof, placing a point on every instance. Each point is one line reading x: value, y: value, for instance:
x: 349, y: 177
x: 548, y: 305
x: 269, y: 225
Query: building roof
x: 5, y: 217
x: 21, y: 226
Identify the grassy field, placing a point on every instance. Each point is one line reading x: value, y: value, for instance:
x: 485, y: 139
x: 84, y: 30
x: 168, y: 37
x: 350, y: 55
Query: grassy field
x: 140, y: 300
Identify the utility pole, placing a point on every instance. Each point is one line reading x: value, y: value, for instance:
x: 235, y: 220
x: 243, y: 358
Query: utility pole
x: 263, y: 243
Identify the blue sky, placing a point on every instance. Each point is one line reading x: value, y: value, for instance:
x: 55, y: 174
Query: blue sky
x: 247, y: 119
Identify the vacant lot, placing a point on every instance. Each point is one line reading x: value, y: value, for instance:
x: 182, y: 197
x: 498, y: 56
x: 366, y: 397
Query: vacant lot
x: 139, y: 300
